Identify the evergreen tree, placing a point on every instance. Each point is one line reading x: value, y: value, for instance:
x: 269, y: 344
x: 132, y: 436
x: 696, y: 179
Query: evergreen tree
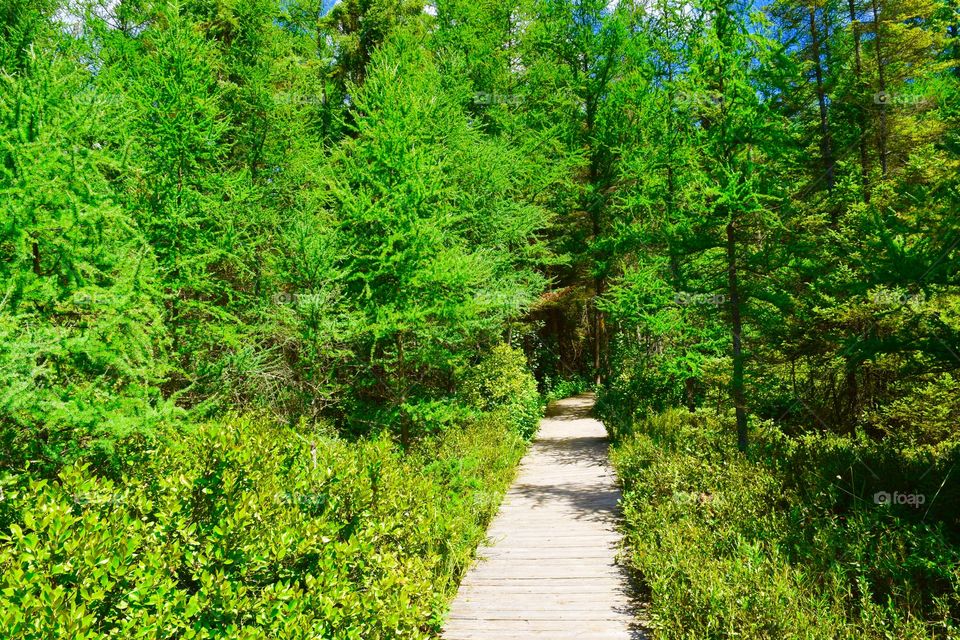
x: 430, y: 257
x: 82, y: 345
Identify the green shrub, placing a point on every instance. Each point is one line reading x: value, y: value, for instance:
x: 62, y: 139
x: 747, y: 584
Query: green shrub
x: 251, y: 530
x: 565, y: 387
x: 502, y: 385
x: 772, y: 545
x: 929, y: 414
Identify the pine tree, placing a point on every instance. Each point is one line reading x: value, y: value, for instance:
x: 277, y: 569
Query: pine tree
x: 81, y: 342
x: 429, y: 255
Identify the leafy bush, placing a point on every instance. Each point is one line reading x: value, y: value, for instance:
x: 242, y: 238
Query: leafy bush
x: 252, y: 530
x: 928, y: 414
x: 786, y: 544
x: 502, y: 385
x: 565, y: 387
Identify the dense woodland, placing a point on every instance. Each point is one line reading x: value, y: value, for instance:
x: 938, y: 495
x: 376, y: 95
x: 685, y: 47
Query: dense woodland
x: 285, y: 285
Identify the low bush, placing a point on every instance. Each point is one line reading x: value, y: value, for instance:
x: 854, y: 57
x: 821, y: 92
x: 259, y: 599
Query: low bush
x: 787, y: 542
x: 501, y: 385
x: 561, y: 388
x: 247, y: 529
x: 927, y: 413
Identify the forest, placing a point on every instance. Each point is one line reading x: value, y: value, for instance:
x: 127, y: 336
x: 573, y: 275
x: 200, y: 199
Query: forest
x: 286, y: 285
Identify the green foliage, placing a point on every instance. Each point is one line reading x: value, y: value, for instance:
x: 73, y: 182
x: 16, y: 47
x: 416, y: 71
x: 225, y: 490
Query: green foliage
x: 428, y: 257
x: 333, y: 215
x: 928, y: 414
x: 359, y: 27
x: 781, y: 236
x: 196, y: 214
x: 250, y: 530
x: 565, y: 387
x: 500, y: 384
x: 789, y: 543
x: 82, y: 346
x: 198, y: 210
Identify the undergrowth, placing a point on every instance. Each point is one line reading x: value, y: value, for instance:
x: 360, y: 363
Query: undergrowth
x: 247, y: 530
x: 790, y: 540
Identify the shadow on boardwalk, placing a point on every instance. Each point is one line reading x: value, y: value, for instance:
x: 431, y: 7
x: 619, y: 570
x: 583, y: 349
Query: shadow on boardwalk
x: 590, y: 450
x: 550, y: 569
x: 599, y: 505
x: 575, y: 408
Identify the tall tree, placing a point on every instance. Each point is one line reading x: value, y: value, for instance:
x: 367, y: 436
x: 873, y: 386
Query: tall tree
x: 82, y: 347
x: 429, y: 255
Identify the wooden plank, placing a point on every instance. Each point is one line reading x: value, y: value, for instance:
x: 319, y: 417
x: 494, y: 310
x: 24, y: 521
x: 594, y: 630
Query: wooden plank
x: 555, y: 581
x: 572, y: 609
x: 567, y: 631
x: 566, y: 634
x: 549, y: 569
x: 537, y: 628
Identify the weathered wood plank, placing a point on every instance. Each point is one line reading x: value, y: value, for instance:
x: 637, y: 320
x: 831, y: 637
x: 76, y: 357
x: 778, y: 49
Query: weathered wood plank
x: 554, y: 635
x: 554, y: 611
x: 549, y: 569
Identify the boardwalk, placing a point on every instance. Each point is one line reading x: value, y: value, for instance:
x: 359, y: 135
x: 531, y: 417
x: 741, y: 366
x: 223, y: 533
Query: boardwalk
x: 549, y: 570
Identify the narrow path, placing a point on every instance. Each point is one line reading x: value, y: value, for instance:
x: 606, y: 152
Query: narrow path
x: 549, y: 570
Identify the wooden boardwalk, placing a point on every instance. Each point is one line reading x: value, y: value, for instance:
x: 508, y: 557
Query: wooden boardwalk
x: 548, y: 570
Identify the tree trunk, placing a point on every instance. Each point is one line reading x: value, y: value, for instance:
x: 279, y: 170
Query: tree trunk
x: 736, y: 327
x: 37, y: 269
x: 954, y: 31
x: 689, y: 388
x: 401, y: 394
x: 861, y: 120
x: 597, y: 331
x: 882, y: 130
x: 853, y: 398
x: 826, y: 144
